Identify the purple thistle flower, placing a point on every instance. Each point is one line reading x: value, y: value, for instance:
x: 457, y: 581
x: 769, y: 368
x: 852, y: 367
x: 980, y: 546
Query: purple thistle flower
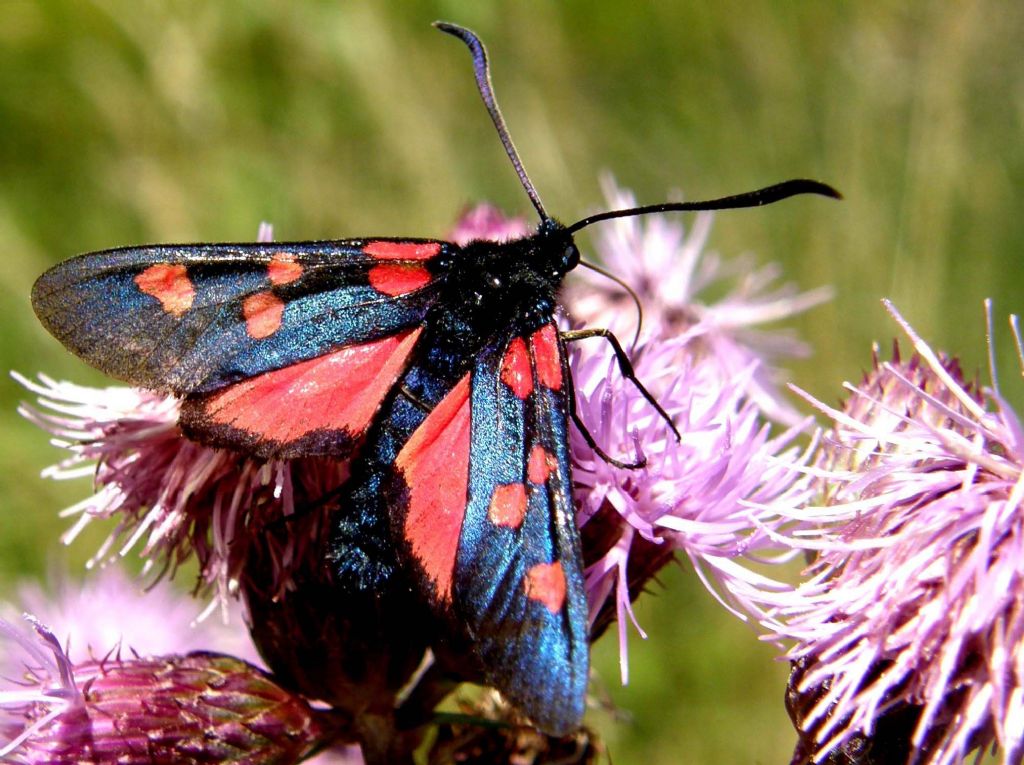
x: 672, y: 273
x: 173, y: 497
x: 46, y: 715
x: 111, y: 610
x: 707, y: 496
x: 487, y: 222
x: 192, y: 708
x: 909, y: 631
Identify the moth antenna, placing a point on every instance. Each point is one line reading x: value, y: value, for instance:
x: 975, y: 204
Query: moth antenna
x: 483, y: 83
x: 632, y: 294
x: 765, y: 196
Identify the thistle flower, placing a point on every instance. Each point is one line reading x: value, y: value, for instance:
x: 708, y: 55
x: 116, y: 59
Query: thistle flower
x: 172, y: 497
x: 909, y: 631
x: 707, y: 496
x: 674, y: 276
x: 110, y: 610
x: 487, y: 222
x: 130, y: 664
x: 191, y: 708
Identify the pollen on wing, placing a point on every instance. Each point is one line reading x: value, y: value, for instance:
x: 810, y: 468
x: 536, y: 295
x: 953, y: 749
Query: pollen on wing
x: 398, y: 278
x: 545, y: 583
x: 508, y: 505
x: 544, y: 343
x: 283, y: 268
x: 386, y: 250
x: 515, y: 369
x: 263, y: 313
x: 540, y: 465
x: 168, y: 283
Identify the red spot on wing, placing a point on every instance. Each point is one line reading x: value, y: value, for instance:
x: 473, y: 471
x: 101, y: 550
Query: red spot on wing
x: 263, y: 313
x: 402, y: 250
x: 283, y: 268
x: 435, y: 465
x: 515, y: 369
x: 398, y: 278
x: 548, y: 356
x: 540, y: 465
x: 545, y: 583
x: 341, y: 390
x: 508, y: 505
x: 168, y: 283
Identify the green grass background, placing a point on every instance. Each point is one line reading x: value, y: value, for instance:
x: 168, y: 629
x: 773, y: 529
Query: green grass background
x: 128, y: 122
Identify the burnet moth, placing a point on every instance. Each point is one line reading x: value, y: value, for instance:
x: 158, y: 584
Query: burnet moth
x: 439, y: 369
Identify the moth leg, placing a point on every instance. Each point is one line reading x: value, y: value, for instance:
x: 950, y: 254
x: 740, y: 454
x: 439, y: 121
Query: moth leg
x: 582, y: 427
x: 642, y: 462
x: 315, y: 505
x: 415, y: 400
x: 625, y: 367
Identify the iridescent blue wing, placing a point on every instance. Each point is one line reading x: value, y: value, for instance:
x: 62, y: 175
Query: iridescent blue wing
x: 281, y: 349
x: 489, y: 527
x: 518, y: 578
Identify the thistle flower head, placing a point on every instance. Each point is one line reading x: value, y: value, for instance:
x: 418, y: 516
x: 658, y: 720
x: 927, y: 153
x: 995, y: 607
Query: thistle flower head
x: 913, y: 609
x: 198, y: 707
x: 677, y: 281
x: 706, y: 496
x: 487, y: 222
x: 141, y: 644
x: 171, y: 497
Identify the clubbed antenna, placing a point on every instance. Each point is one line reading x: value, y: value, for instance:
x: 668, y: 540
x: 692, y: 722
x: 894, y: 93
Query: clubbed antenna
x: 765, y: 196
x: 483, y: 83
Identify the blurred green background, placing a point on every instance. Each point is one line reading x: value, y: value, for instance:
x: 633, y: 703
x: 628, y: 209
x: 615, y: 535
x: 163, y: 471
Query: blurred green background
x: 127, y: 122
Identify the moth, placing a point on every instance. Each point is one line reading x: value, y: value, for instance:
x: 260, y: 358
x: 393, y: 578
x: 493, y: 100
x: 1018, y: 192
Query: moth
x: 438, y: 369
